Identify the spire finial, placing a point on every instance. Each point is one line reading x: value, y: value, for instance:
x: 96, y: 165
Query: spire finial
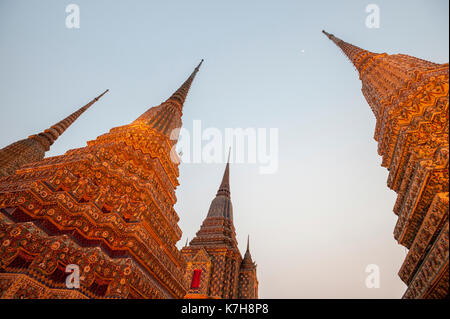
x: 33, y: 148
x: 359, y: 57
x: 248, y: 242
x: 98, y: 97
x: 224, y: 188
x: 331, y: 37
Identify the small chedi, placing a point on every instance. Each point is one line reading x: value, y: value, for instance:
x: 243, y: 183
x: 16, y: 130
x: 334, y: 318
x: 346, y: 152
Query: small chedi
x: 215, y: 267
x: 106, y: 208
x: 409, y: 98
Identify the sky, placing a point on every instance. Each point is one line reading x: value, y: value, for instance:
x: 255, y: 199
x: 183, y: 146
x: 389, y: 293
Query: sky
x: 325, y: 214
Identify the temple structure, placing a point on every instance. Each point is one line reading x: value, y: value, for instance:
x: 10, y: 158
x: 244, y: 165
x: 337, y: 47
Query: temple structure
x: 33, y: 148
x: 215, y: 267
x: 409, y: 98
x: 105, y: 211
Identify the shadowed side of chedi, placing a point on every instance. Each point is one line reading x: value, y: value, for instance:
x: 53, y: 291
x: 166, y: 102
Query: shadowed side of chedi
x: 106, y: 207
x: 409, y: 98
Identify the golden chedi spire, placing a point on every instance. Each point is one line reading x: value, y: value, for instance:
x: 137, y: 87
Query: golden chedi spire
x: 409, y: 97
x: 247, y: 261
x: 107, y: 207
x: 33, y: 148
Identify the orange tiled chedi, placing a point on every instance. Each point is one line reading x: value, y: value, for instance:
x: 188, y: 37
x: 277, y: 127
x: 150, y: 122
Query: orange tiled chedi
x: 409, y: 98
x: 215, y: 267
x: 106, y: 207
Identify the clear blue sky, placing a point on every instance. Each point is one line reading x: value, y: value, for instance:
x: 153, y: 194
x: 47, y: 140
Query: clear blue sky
x: 327, y: 212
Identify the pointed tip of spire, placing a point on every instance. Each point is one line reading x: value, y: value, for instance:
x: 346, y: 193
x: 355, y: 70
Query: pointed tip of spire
x: 224, y: 188
x: 358, y: 56
x: 199, y: 65
x: 180, y: 94
x: 50, y: 135
x: 161, y: 119
x: 248, y: 242
x: 326, y: 33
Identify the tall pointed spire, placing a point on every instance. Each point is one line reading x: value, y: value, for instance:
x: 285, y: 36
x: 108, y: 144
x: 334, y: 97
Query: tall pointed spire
x: 218, y: 225
x: 360, y: 58
x: 221, y: 205
x: 167, y: 116
x: 409, y: 98
x: 224, y: 188
x: 50, y: 135
x: 129, y: 174
x: 180, y: 94
x: 214, y: 249
x: 33, y: 148
x: 247, y: 261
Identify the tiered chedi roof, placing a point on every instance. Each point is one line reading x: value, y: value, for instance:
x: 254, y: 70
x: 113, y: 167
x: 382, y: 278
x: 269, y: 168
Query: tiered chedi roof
x: 409, y: 97
x: 106, y: 207
x: 215, y: 268
x: 33, y: 148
